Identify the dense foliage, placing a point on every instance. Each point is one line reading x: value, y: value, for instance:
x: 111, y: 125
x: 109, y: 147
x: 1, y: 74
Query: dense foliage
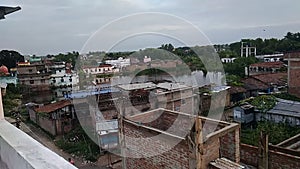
x: 290, y: 42
x: 69, y: 57
x: 287, y: 96
x: 78, y: 143
x: 277, y: 132
x: 233, y: 80
x: 237, y: 68
x: 12, y: 99
x: 264, y: 102
x: 10, y: 58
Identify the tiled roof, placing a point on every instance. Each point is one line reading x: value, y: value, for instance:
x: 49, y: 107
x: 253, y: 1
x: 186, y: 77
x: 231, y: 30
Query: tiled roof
x: 254, y: 84
x: 273, y: 78
x: 53, y: 106
x: 268, y: 64
x: 237, y: 89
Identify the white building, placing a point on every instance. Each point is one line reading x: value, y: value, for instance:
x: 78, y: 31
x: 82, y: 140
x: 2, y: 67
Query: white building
x: 101, y: 69
x: 63, y: 79
x: 271, y: 58
x: 227, y: 60
x: 119, y: 63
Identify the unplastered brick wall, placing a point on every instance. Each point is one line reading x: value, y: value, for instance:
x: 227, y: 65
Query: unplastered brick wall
x: 277, y: 159
x: 228, y: 146
x: 171, y: 157
x: 283, y: 161
x: 294, y: 78
x: 249, y: 154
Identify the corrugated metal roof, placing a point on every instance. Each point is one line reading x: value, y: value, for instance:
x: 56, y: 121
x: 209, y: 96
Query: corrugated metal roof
x: 53, y: 106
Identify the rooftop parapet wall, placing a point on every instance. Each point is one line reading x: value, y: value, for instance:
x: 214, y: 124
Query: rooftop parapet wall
x: 20, y: 151
x: 169, y: 139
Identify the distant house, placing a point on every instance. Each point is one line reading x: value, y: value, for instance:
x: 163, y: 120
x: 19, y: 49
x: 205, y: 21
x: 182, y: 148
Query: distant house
x: 266, y: 67
x: 35, y: 76
x: 227, y: 60
x: 63, y: 79
x: 254, y: 86
x: 270, y: 58
x: 276, y: 81
x: 244, y: 113
x: 284, y: 111
x: 101, y: 69
x: 56, y: 118
x: 119, y: 63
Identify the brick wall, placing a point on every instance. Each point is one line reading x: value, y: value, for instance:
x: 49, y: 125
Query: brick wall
x: 228, y: 146
x: 283, y: 161
x: 176, y: 157
x: 249, y: 154
x: 294, y: 78
x: 211, y: 152
x: 277, y: 159
x: 46, y: 124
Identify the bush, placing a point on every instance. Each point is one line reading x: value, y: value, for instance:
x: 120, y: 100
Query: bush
x: 81, y: 146
x: 277, y: 132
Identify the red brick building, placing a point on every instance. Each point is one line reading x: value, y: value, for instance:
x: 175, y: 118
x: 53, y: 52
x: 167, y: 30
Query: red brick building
x: 293, y: 73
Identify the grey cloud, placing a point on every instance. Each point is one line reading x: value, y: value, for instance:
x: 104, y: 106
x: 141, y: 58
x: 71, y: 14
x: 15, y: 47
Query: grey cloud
x: 52, y: 26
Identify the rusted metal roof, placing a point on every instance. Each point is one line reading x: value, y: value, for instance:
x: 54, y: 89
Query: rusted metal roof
x: 273, y: 78
x: 53, y: 106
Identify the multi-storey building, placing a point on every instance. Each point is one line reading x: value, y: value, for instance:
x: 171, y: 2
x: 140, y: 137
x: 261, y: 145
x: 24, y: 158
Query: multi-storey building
x: 35, y: 76
x: 63, y: 79
x: 293, y: 73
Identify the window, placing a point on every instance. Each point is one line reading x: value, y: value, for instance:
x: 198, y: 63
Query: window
x: 62, y: 80
x: 30, y: 70
x: 42, y: 80
x: 183, y: 101
x: 70, y: 79
x: 31, y: 81
x: 54, y: 81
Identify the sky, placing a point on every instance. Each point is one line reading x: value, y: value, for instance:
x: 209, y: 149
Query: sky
x: 58, y: 26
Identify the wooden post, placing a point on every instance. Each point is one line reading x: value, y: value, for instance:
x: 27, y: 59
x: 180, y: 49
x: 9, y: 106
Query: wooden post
x: 263, y: 149
x: 199, y: 143
x: 237, y: 144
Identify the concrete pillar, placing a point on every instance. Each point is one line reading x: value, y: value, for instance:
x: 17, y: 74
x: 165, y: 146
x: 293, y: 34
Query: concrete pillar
x: 242, y: 49
x: 1, y: 106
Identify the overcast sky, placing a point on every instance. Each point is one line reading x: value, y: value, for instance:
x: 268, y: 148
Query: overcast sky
x: 58, y: 26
